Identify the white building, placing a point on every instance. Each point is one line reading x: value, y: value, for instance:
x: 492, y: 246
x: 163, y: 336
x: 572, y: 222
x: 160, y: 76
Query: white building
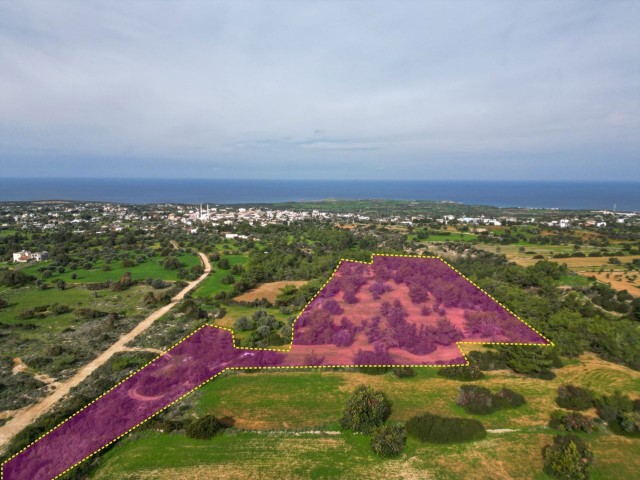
x: 24, y: 256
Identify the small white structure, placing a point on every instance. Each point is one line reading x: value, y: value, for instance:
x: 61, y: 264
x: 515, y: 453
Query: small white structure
x: 24, y: 256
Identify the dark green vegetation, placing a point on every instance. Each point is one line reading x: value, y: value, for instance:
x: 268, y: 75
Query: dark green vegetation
x: 436, y: 429
x: 204, y: 428
x: 568, y: 458
x: 481, y: 401
x: 594, y: 326
x: 365, y: 410
x: 388, y: 440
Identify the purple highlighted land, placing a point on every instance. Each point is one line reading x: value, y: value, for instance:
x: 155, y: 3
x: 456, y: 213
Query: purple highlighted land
x: 395, y: 310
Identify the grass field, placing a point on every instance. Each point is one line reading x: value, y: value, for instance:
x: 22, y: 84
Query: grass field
x: 127, y: 301
x: 151, y: 268
x: 212, y: 285
x: 271, y: 406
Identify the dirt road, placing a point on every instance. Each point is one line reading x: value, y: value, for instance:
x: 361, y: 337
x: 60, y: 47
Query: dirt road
x: 25, y: 416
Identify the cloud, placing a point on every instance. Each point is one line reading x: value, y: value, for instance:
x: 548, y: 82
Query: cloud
x: 269, y: 89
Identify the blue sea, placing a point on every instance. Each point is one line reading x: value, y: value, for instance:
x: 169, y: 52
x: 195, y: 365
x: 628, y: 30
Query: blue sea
x: 564, y: 195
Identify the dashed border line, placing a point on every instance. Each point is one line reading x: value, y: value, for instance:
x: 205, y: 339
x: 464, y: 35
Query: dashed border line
x: 342, y: 260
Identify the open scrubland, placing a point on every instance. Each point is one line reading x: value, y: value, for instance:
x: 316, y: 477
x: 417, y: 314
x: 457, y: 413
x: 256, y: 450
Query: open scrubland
x: 286, y: 422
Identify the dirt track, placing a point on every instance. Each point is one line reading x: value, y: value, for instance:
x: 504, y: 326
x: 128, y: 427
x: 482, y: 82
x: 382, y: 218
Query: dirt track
x: 25, y: 416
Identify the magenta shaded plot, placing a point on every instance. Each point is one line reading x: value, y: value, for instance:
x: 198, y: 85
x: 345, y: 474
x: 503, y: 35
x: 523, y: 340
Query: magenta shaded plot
x: 393, y: 311
x: 194, y: 361
x: 400, y: 311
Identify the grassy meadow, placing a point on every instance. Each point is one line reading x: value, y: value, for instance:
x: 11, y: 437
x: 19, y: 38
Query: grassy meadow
x: 150, y: 268
x: 288, y: 420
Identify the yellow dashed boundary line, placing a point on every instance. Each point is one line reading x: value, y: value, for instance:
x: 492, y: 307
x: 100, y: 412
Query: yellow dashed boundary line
x: 283, y: 350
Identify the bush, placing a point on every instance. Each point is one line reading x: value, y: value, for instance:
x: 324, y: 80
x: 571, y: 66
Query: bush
x: 487, y: 360
x: 574, y: 398
x: 403, y: 372
x: 158, y: 283
x: 388, y: 440
x: 463, y: 373
x: 365, y: 410
x: 204, y: 428
x: 571, y: 422
x: 436, y: 429
x: 568, y: 458
x: 481, y: 401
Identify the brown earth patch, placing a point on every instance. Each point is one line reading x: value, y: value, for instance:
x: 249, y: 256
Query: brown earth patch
x: 268, y: 290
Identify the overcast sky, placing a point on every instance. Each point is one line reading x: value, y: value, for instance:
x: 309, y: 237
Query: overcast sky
x: 334, y: 89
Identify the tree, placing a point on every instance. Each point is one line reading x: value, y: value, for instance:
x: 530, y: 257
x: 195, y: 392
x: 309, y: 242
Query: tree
x: 388, y: 440
x: 61, y: 284
x: 365, y: 410
x: 568, y: 458
x: 243, y: 323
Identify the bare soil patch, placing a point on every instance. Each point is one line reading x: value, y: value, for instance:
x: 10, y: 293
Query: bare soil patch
x: 268, y: 290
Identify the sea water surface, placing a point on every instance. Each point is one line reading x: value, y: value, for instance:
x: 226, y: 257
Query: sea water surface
x: 625, y: 196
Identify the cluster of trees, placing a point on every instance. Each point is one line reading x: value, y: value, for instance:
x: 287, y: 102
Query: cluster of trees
x: 265, y: 329
x: 620, y: 412
x: 366, y: 411
x: 570, y: 319
x: 398, y: 332
x: 481, y: 401
x: 318, y: 327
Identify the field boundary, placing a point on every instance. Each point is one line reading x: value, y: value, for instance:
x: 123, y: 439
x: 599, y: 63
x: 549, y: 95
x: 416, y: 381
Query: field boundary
x: 342, y: 260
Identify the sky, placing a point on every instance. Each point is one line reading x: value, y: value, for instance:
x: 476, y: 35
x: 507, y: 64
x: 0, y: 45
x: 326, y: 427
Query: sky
x: 506, y: 90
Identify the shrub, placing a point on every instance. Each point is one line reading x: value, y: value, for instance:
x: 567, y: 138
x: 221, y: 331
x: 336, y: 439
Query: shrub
x: 227, y: 279
x: 365, y: 410
x: 158, y: 283
x: 436, y: 429
x: 463, y: 373
x: 481, y: 401
x: 403, y: 372
x: 568, y: 458
x: 204, y: 428
x: 388, y: 440
x: 507, y: 398
x: 487, y: 360
x: 574, y: 398
x: 571, y: 422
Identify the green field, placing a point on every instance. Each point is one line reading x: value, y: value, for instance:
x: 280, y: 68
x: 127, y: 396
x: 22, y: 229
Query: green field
x: 148, y: 269
x: 442, y: 237
x: 211, y: 285
x: 128, y: 301
x: 271, y: 409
